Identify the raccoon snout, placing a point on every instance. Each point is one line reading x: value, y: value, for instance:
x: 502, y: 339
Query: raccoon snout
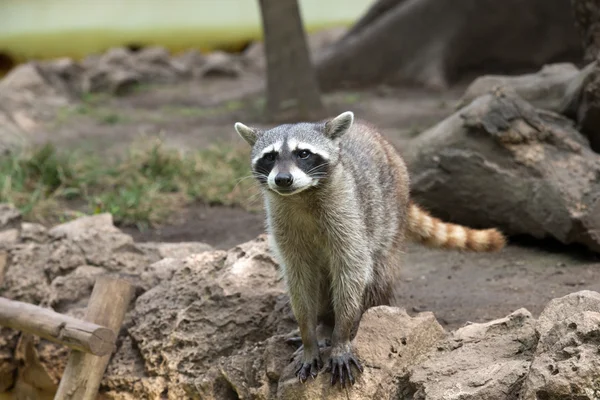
x: 284, y: 179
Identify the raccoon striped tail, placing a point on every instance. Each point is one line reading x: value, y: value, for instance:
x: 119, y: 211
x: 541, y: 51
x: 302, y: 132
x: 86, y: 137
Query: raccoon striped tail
x: 433, y: 232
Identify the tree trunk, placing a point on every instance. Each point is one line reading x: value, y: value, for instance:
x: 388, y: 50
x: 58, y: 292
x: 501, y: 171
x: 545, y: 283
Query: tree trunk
x: 587, y: 21
x: 292, y: 89
x: 437, y: 42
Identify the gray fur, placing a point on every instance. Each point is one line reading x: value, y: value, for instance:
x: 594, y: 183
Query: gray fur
x: 338, y: 241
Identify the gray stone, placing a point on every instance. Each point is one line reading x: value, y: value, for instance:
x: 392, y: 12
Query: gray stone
x: 499, y: 162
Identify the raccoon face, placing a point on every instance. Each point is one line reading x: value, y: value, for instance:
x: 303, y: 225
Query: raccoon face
x: 289, y: 159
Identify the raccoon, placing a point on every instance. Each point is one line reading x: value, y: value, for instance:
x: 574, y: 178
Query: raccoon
x: 338, y: 212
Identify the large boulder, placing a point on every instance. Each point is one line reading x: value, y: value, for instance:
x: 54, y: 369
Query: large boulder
x: 545, y: 88
x: 9, y: 216
x: 439, y: 42
x: 479, y: 361
x: 57, y: 268
x: 388, y: 342
x: 582, y: 103
x: 566, y: 363
x: 213, y: 304
x: 500, y: 162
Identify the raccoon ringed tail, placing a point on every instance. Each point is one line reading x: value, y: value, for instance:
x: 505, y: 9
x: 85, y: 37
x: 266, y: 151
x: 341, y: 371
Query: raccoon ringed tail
x: 433, y: 232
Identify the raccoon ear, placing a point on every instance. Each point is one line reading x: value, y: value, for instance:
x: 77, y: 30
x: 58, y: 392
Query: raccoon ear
x: 248, y: 134
x: 336, y: 127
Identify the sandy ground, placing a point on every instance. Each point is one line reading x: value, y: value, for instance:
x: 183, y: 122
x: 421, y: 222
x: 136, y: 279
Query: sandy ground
x: 456, y: 287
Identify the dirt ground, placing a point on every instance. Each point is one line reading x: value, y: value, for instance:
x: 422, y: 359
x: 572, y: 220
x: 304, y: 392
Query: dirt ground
x: 456, y: 287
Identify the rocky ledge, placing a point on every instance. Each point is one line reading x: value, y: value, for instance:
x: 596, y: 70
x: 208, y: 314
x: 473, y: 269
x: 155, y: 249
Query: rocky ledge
x: 209, y: 324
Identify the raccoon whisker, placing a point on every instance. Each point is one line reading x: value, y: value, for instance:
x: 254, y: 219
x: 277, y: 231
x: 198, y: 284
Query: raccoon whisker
x: 244, y: 178
x: 317, y: 167
x: 240, y: 180
x: 259, y: 175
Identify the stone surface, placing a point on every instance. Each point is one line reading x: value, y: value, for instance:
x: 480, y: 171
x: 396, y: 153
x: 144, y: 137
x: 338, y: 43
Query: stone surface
x: 212, y: 324
x: 9, y: 236
x: 499, y: 162
x: 220, y: 64
x: 479, y: 361
x: 388, y: 343
x: 545, y: 88
x: 36, y: 233
x: 10, y: 217
x: 175, y: 250
x: 567, y: 362
x: 582, y: 103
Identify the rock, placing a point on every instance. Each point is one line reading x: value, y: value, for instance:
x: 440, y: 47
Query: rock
x: 94, y: 240
x: 63, y: 74
x: 10, y: 217
x: 117, y: 56
x: 189, y: 63
x: 153, y: 55
x: 543, y: 89
x: 252, y: 373
x: 106, y: 78
x: 388, y: 343
x: 220, y: 64
x: 213, y: 324
x: 582, y: 103
x: 74, y: 289
x: 499, y: 162
x: 478, y: 361
x: 11, y: 135
x: 254, y: 56
x: 81, y: 227
x: 394, y: 42
x: 9, y: 236
x: 31, y: 232
x: 180, y: 330
x: 58, y: 269
x: 586, y: 14
x: 175, y: 250
x: 8, y: 364
x: 24, y: 276
x: 155, y: 65
x: 566, y: 363
x: 28, y: 78
x: 3, y: 262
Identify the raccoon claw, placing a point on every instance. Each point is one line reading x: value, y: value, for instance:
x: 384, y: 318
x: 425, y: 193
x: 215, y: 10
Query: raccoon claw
x: 306, y: 369
x: 340, y: 368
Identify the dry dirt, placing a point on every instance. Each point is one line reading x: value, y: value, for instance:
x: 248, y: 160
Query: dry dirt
x: 456, y: 287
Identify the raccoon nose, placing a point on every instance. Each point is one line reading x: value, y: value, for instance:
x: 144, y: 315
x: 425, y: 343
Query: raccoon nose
x: 284, y: 179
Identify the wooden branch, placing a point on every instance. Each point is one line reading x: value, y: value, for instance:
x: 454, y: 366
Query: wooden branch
x: 44, y: 322
x: 107, y: 306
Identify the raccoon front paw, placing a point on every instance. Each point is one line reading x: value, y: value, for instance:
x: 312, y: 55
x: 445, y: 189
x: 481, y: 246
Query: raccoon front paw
x: 311, y: 368
x: 297, y: 341
x: 340, y: 368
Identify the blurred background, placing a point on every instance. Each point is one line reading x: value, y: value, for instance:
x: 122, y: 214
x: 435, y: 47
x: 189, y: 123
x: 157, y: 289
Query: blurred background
x: 128, y: 107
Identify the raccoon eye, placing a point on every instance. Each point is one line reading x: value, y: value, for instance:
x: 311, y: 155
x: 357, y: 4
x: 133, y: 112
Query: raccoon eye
x: 270, y: 156
x: 304, y: 154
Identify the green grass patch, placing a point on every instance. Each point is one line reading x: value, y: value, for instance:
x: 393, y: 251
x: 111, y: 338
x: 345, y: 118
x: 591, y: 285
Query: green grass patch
x: 141, y: 188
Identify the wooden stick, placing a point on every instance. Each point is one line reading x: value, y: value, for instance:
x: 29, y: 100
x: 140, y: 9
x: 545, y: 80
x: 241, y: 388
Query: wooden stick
x: 107, y: 306
x: 44, y: 322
